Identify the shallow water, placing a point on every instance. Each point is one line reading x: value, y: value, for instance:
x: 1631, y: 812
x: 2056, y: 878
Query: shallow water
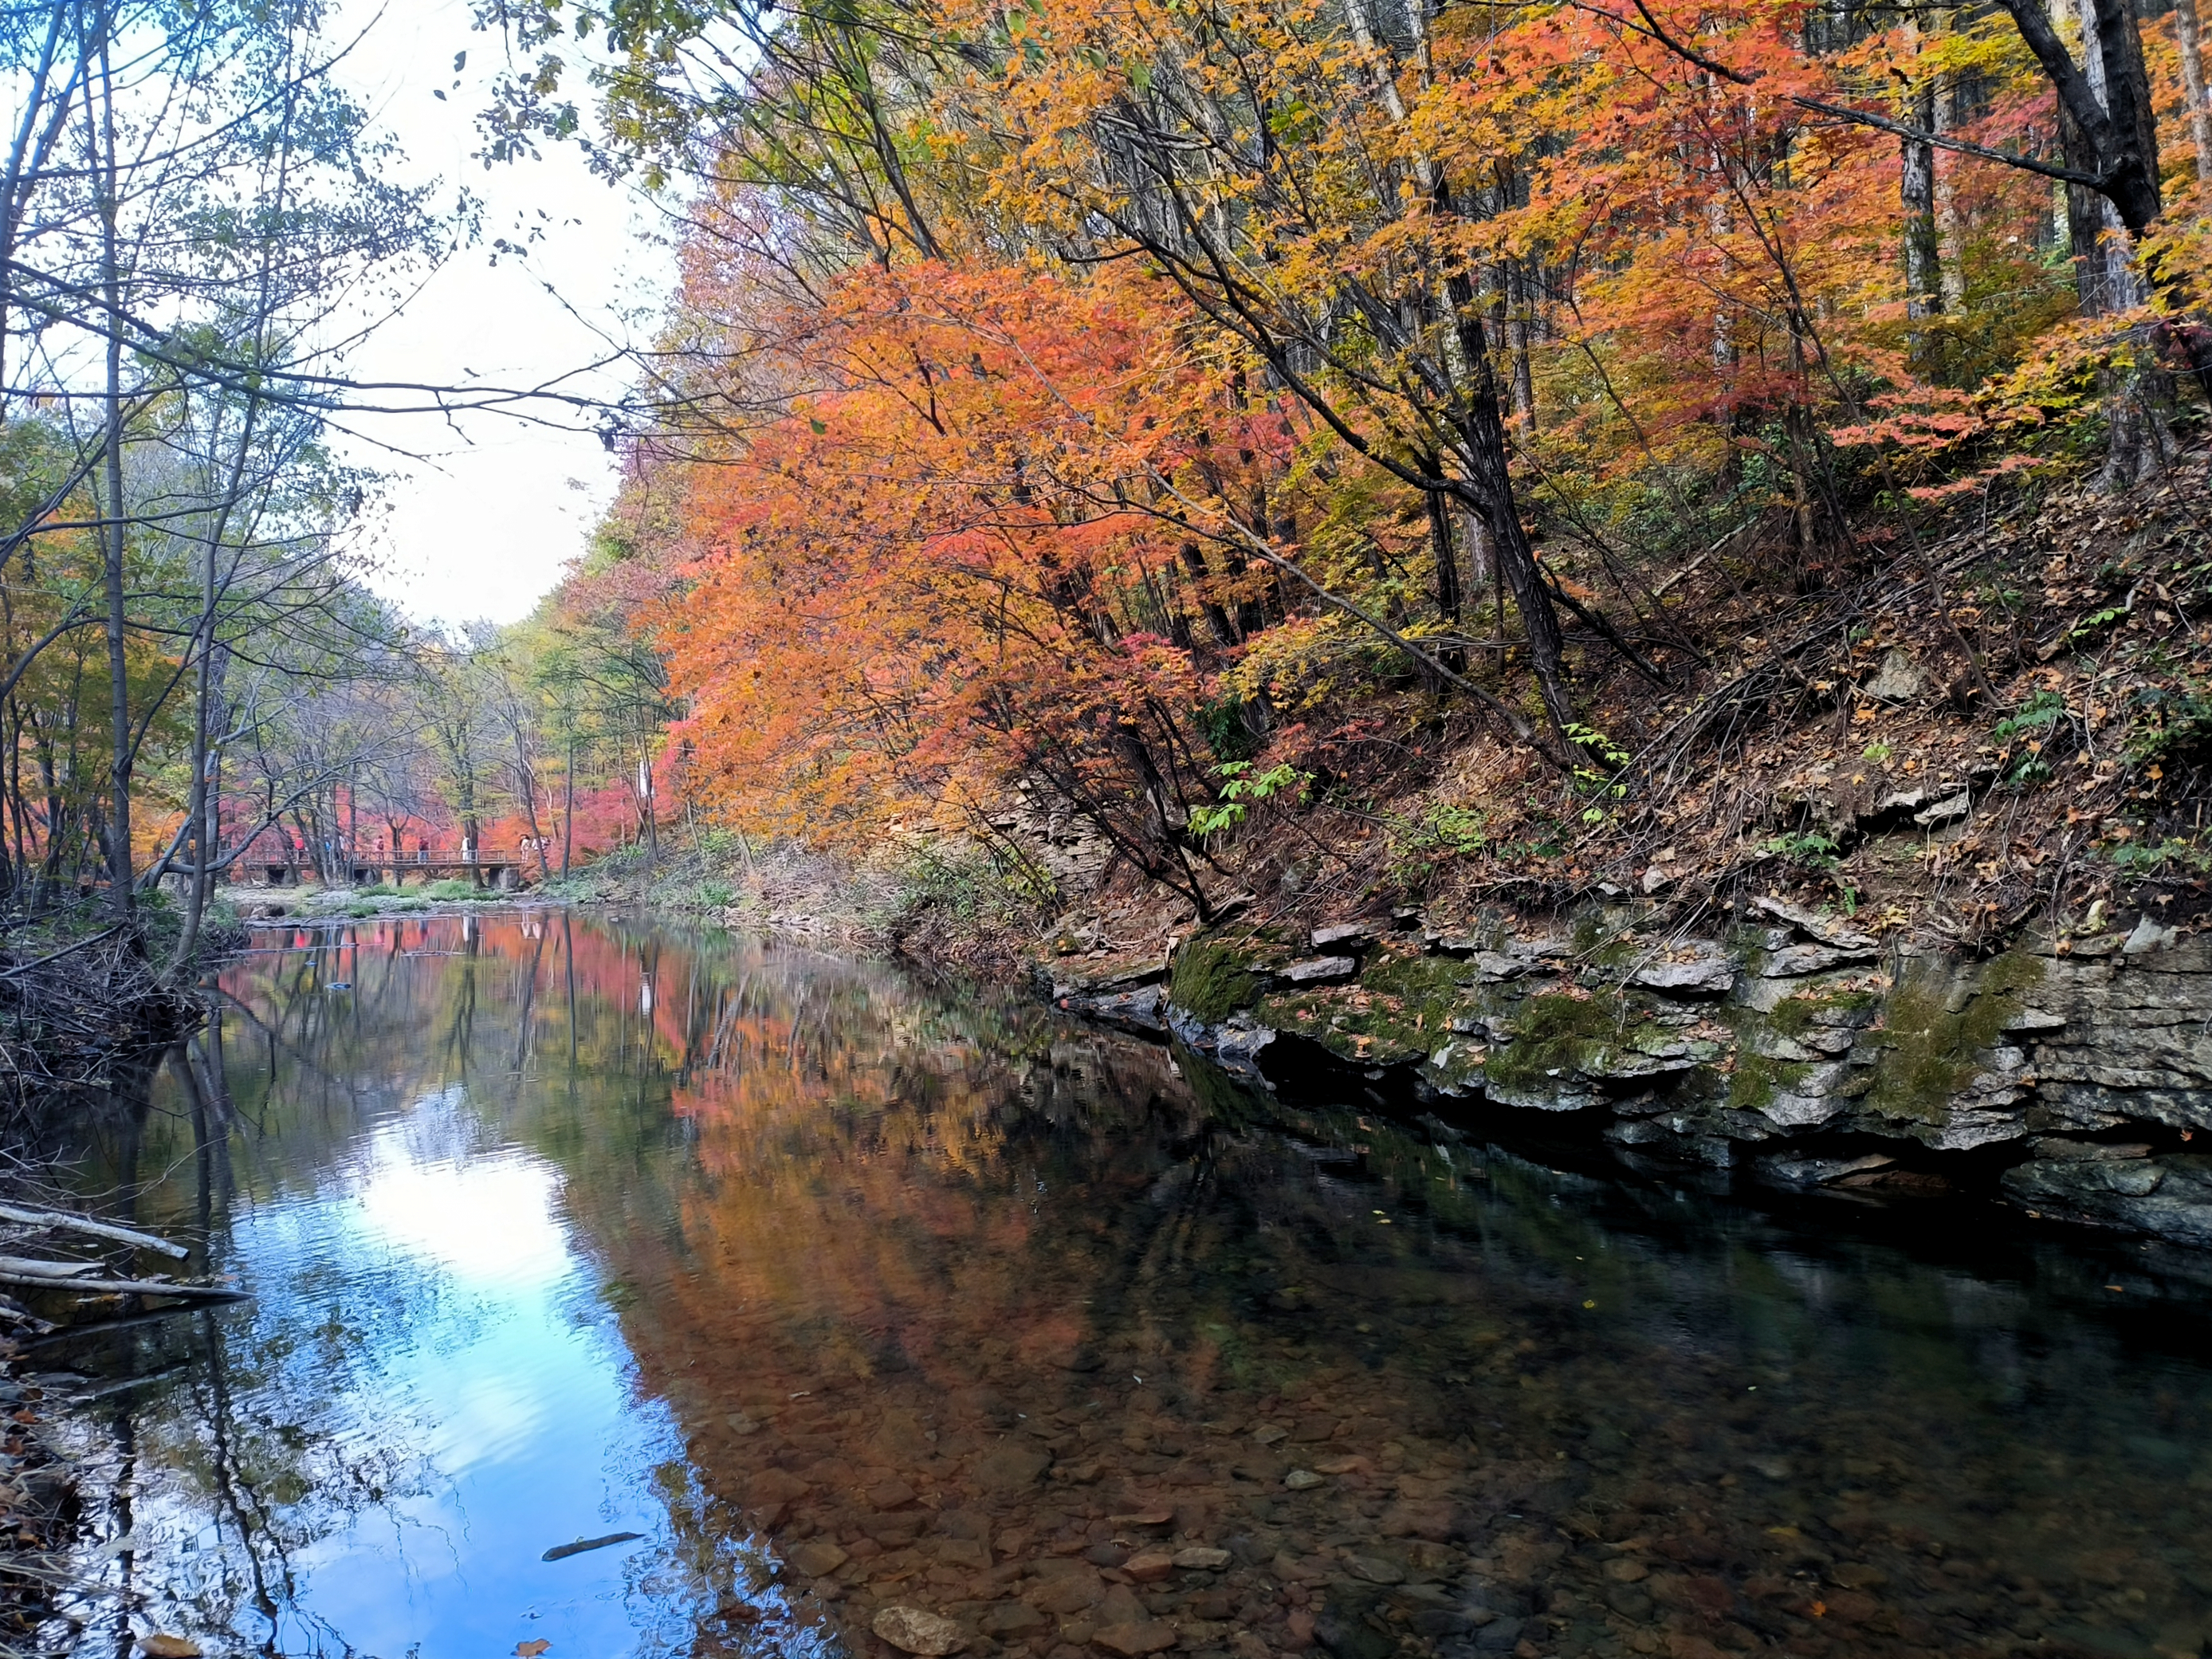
x: 846, y: 1293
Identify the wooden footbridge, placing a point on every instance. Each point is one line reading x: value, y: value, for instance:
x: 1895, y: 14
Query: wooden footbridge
x: 504, y: 871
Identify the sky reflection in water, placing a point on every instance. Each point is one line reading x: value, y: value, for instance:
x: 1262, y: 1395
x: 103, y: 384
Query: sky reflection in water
x: 427, y: 1391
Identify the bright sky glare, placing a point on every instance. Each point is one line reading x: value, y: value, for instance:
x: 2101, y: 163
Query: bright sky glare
x: 481, y: 524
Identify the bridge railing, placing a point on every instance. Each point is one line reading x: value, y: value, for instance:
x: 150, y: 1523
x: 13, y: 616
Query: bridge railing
x: 503, y: 870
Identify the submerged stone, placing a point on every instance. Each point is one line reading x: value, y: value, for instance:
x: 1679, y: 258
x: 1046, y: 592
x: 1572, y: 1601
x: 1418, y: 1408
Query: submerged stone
x: 1136, y: 1638
x: 913, y: 1629
x: 815, y: 1557
x: 1010, y: 1468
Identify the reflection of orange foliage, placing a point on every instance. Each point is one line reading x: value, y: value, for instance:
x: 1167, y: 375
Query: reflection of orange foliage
x: 862, y: 1204
x: 912, y: 1146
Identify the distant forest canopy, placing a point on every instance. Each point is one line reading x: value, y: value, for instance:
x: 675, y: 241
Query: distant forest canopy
x: 196, y: 229
x: 1166, y: 407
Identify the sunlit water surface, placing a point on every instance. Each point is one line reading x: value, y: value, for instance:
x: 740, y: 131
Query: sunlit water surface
x: 844, y: 1292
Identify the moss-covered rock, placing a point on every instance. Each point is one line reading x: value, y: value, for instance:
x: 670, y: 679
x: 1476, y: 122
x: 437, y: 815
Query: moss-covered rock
x: 1212, y: 979
x: 1795, y: 1015
x: 1550, y: 1036
x: 1759, y: 1079
x: 1938, y: 1021
x: 1399, y: 1013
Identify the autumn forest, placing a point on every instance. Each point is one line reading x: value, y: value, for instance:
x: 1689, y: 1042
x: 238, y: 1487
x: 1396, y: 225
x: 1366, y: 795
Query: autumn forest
x: 1355, y: 447
x: 1377, y: 446
x: 1352, y: 826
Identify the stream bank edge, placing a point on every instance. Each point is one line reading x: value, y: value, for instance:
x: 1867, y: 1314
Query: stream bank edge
x: 2071, y: 1076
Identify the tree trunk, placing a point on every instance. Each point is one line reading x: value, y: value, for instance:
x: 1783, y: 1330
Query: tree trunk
x: 1217, y: 614
x: 1447, y: 562
x: 119, y: 896
x: 1481, y: 430
x: 537, y: 840
x: 1923, y: 263
x: 1492, y: 488
x: 568, y: 806
x: 1520, y: 328
x: 2194, y: 105
x: 2104, y: 281
x: 1950, y: 227
x: 2107, y: 280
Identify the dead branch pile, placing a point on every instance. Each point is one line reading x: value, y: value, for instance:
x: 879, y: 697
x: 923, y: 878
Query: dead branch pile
x: 74, y: 1016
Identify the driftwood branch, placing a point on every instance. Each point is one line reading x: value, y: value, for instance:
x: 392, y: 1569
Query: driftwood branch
x: 64, y: 1276
x: 62, y: 1221
x: 25, y: 1267
x: 12, y: 1315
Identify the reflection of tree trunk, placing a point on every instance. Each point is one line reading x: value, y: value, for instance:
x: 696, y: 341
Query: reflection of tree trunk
x: 230, y: 1483
x: 214, y: 1081
x: 461, y: 1034
x: 226, y: 1481
x: 126, y: 1160
x: 568, y: 961
x: 203, y: 1154
x: 120, y: 1511
x: 529, y: 1007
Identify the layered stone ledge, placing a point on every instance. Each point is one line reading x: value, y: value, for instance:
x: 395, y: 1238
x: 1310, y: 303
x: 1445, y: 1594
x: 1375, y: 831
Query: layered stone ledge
x: 1793, y: 1043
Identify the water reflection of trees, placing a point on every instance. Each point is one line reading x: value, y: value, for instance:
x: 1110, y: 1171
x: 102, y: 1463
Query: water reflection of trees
x: 216, y: 1424
x: 919, y: 1234
x: 573, y: 1040
x: 930, y: 1213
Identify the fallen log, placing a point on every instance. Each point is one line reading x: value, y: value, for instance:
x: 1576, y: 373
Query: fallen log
x: 120, y: 1286
x: 32, y: 1267
x: 112, y: 1322
x: 11, y: 1314
x: 63, y: 1221
x: 124, y: 1384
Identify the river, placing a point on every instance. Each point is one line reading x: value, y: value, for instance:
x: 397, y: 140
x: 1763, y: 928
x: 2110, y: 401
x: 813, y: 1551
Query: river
x: 846, y: 1292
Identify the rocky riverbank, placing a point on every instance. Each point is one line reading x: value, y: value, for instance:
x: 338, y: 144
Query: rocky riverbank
x: 2074, y: 1071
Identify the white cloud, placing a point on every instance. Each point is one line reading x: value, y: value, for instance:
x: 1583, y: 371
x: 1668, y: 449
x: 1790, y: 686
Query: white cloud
x: 481, y: 525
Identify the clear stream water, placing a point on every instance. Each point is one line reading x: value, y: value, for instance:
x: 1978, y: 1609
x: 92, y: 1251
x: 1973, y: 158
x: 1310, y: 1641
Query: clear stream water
x: 844, y: 1292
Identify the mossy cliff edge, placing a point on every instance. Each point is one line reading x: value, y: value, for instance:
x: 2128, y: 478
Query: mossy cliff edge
x: 1789, y: 1041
